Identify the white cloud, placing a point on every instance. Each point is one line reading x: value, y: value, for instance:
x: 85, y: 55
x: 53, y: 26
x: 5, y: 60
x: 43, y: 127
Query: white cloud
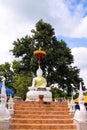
x: 63, y: 21
x: 65, y: 16
x: 68, y: 18
x: 81, y: 29
x: 80, y: 56
x: 11, y: 28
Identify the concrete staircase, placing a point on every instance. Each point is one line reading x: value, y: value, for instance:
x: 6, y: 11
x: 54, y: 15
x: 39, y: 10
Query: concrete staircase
x: 40, y: 116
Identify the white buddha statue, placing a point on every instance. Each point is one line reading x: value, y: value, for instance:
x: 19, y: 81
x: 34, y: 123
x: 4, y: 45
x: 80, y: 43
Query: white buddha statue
x: 39, y: 81
x: 39, y: 88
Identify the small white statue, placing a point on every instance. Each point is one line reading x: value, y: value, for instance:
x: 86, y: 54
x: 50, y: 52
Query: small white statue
x: 11, y: 105
x: 72, y: 106
x: 81, y: 115
x: 4, y: 113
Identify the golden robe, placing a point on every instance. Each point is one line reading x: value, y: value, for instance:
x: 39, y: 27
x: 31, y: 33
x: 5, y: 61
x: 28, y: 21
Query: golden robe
x: 40, y: 82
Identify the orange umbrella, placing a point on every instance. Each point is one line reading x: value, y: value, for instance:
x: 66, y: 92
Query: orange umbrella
x: 39, y: 54
x: 85, y: 99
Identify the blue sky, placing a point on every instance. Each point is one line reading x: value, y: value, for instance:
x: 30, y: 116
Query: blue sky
x: 74, y: 42
x: 67, y: 17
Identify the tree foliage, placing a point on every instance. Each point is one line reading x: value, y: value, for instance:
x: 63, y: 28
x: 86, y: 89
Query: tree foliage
x: 21, y: 83
x: 7, y: 72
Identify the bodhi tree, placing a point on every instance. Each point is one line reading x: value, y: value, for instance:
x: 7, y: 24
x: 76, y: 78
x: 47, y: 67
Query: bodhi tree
x: 57, y: 65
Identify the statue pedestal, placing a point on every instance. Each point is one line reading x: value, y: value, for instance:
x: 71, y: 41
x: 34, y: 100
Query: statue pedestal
x: 34, y: 94
x: 5, y: 125
x: 81, y: 125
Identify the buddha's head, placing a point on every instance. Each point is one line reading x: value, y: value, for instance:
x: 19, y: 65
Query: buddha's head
x: 39, y: 72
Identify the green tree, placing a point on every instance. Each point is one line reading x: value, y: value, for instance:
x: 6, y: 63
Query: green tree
x: 57, y: 63
x: 21, y: 83
x: 7, y: 72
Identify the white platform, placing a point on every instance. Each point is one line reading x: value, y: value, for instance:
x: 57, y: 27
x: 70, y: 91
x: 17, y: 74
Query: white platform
x: 33, y: 94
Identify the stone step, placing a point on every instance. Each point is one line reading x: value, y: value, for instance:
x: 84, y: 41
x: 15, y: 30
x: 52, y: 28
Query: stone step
x: 53, y: 104
x: 43, y: 121
x: 40, y: 112
x: 45, y: 116
x: 42, y: 129
x: 41, y: 108
x: 35, y: 126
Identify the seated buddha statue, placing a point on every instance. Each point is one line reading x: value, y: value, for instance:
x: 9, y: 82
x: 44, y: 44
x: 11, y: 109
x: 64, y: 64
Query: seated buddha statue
x: 39, y: 81
x: 39, y: 89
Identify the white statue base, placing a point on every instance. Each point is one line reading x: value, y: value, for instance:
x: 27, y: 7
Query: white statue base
x: 35, y: 94
x: 81, y: 115
x: 80, y: 125
x: 5, y: 125
x: 4, y: 113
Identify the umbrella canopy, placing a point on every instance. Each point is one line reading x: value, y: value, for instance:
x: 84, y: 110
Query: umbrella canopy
x: 8, y: 90
x: 85, y: 99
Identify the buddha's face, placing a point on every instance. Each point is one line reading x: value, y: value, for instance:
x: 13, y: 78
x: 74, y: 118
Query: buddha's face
x: 39, y: 72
